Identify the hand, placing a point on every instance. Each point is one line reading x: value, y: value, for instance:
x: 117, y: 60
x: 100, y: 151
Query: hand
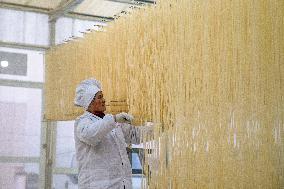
x: 123, y: 118
x: 149, y: 124
x: 149, y: 127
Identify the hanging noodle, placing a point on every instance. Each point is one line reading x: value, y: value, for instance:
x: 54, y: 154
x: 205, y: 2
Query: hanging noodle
x: 208, y: 74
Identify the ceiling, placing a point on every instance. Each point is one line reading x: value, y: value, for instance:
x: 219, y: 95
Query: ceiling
x: 88, y: 8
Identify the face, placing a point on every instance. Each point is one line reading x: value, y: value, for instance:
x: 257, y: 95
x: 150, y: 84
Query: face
x: 98, y: 103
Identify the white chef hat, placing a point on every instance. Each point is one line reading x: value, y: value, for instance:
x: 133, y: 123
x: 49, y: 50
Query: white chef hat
x: 86, y: 91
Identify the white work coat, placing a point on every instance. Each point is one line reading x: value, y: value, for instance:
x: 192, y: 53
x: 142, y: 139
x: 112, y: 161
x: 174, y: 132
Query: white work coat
x: 101, y: 152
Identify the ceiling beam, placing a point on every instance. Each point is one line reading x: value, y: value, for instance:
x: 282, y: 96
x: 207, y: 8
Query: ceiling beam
x: 146, y: 1
x: 89, y: 17
x: 63, y: 8
x: 133, y: 2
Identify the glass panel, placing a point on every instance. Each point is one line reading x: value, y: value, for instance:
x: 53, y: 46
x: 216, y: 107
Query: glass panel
x: 23, y: 27
x: 137, y: 181
x: 66, y: 28
x: 65, y: 145
x: 103, y: 8
x: 19, y: 176
x: 136, y: 161
x: 64, y: 182
x: 20, y: 112
x: 33, y: 64
x: 12, y: 63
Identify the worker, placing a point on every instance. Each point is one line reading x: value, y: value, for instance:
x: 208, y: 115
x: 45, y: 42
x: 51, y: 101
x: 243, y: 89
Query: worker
x: 101, y: 140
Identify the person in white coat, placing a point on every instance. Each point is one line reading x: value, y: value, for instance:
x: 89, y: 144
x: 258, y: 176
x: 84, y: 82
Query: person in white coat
x: 101, y: 141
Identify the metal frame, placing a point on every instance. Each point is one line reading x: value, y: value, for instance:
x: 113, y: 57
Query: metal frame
x: 88, y: 17
x: 23, y: 46
x: 14, y: 6
x: 146, y: 1
x: 22, y: 159
x: 63, y: 8
x: 133, y: 2
x: 43, y: 149
x: 52, y: 31
x: 39, y: 10
x: 50, y: 150
x: 48, y: 144
x: 64, y: 171
x: 17, y: 83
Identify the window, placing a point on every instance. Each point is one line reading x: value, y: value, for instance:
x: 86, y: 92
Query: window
x: 19, y: 175
x: 23, y: 65
x: 20, y: 112
x: 20, y: 117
